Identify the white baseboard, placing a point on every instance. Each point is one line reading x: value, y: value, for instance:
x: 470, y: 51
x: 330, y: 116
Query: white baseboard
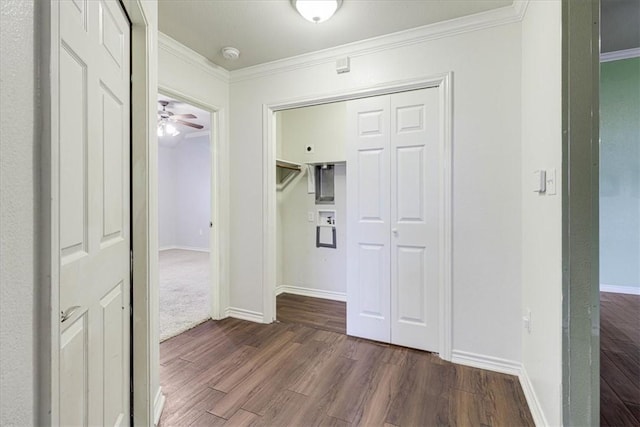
x: 489, y: 363
x: 532, y: 399
x: 629, y: 290
x: 509, y: 367
x: 184, y: 248
x: 242, y: 314
x: 158, y: 406
x: 620, y: 54
x: 309, y: 292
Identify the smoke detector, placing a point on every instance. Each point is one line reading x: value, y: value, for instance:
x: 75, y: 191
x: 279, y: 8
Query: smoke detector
x: 230, y: 53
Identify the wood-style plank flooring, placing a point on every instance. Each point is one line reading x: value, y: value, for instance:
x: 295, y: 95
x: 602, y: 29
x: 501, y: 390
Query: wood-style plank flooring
x: 296, y: 372
x: 313, y: 312
x: 619, y: 359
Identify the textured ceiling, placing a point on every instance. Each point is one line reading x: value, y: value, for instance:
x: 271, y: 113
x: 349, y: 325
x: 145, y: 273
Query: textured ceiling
x: 268, y: 30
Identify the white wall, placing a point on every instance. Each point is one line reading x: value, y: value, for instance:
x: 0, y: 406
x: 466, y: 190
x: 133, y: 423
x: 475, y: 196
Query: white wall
x: 487, y: 175
x: 184, y: 194
x: 166, y: 198
x: 322, y: 126
x: 19, y: 181
x: 303, y: 264
x: 542, y: 214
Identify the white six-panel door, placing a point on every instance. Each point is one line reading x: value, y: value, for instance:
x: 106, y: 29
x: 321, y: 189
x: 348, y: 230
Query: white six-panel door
x: 368, y: 218
x: 393, y: 230
x: 415, y: 222
x: 94, y: 212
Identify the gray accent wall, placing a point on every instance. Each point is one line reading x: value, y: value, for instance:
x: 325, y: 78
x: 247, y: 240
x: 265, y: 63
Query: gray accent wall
x: 620, y: 174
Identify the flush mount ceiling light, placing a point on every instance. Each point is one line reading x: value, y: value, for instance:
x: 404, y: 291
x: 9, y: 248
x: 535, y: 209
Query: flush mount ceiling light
x: 316, y: 11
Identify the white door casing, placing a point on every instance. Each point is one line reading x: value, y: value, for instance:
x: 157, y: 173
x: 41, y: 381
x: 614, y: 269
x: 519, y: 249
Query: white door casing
x: 217, y: 260
x: 394, y: 224
x: 94, y: 212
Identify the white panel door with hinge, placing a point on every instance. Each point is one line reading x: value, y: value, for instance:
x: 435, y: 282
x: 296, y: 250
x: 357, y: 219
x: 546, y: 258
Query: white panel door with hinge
x: 94, y: 212
x: 393, y: 231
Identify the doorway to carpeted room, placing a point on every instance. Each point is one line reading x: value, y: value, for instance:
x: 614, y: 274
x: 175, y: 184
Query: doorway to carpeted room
x: 184, y: 290
x: 184, y: 216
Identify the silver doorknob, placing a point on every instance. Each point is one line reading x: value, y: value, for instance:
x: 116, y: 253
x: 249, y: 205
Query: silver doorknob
x: 65, y: 315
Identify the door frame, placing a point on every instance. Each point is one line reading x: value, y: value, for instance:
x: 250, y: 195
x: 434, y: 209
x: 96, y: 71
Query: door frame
x: 580, y: 212
x: 143, y: 113
x: 216, y: 256
x: 442, y: 81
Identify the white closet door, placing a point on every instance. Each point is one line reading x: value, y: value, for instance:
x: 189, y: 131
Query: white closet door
x: 393, y: 218
x: 94, y: 212
x: 368, y: 263
x: 415, y: 218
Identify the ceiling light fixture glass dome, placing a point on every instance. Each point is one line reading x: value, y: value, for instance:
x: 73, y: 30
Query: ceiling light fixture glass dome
x: 316, y: 11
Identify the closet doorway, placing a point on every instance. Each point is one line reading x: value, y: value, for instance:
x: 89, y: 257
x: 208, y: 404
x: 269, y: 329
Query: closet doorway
x: 184, y: 216
x: 311, y: 216
x: 273, y: 223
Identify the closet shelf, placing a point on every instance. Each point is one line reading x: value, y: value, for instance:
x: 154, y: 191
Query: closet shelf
x: 285, y: 172
x: 288, y: 165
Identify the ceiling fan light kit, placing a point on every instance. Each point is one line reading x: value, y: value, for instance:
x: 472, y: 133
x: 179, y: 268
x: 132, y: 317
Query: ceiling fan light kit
x: 167, y: 119
x: 168, y: 129
x: 316, y: 11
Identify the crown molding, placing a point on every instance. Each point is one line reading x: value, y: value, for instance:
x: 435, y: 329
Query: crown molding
x: 620, y: 54
x: 177, y: 49
x: 465, y: 24
x: 520, y: 8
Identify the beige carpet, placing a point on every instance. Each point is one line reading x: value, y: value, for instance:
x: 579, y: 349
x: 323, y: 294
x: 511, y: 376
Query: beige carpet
x: 184, y: 290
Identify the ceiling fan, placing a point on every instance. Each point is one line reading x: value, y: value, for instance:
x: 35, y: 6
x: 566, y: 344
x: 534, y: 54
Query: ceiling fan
x: 167, y: 118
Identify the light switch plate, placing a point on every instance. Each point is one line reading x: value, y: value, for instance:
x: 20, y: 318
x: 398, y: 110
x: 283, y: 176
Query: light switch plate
x: 310, y: 217
x: 551, y: 182
x: 538, y: 181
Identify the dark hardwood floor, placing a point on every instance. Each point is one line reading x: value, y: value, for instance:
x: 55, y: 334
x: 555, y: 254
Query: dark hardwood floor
x: 313, y: 312
x: 619, y: 359
x: 301, y: 372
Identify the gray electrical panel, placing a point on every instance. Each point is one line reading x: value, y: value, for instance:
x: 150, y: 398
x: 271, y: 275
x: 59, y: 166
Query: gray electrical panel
x: 325, y: 193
